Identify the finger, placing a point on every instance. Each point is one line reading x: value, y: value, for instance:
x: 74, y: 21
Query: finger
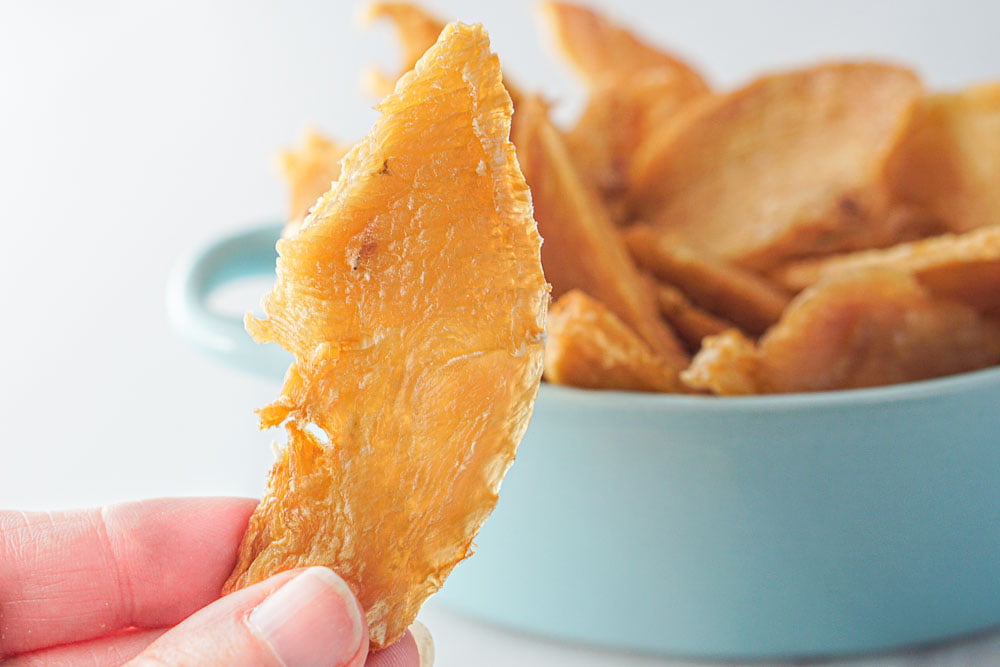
x: 414, y: 649
x: 296, y: 618
x: 102, y: 652
x: 71, y: 576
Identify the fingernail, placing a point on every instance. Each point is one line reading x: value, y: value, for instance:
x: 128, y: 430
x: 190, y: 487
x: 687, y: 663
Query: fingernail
x: 425, y: 643
x: 312, y: 619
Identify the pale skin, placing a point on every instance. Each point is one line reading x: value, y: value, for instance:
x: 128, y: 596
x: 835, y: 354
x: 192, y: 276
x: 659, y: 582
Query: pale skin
x: 139, y: 583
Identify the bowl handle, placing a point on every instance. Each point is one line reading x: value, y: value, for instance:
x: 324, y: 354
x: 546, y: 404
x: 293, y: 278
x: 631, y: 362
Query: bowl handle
x: 202, y: 271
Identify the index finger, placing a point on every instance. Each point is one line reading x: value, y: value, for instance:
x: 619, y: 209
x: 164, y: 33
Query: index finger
x: 70, y: 576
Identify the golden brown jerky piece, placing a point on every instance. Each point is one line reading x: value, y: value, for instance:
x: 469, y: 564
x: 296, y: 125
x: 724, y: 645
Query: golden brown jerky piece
x: 690, y: 322
x: 961, y: 267
x: 744, y: 298
x: 588, y: 346
x: 309, y: 171
x: 789, y: 166
x: 416, y: 29
x: 948, y: 161
x: 635, y: 89
x: 907, y: 222
x: 728, y: 364
x: 582, y: 248
x: 620, y: 115
x: 862, y: 329
x: 601, y: 50
x: 413, y: 302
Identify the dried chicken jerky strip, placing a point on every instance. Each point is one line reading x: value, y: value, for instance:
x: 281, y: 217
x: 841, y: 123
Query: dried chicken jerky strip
x: 862, y: 329
x: 728, y: 364
x: 788, y: 166
x: 588, y: 346
x: 601, y: 50
x: 620, y: 115
x: 742, y: 297
x: 948, y: 160
x: 690, y: 322
x: 635, y: 89
x: 583, y: 249
x: 309, y: 172
x: 413, y: 302
x: 417, y: 30
x: 906, y: 223
x: 961, y: 267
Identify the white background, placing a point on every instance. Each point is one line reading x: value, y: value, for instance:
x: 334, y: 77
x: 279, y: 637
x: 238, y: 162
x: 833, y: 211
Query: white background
x: 132, y: 131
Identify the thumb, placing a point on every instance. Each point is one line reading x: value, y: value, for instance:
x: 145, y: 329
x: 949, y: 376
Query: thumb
x: 296, y: 618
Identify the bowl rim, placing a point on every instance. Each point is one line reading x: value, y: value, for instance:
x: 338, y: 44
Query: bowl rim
x: 591, y: 399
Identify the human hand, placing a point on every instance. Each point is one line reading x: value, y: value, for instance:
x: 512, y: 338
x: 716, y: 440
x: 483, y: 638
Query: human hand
x: 141, y: 581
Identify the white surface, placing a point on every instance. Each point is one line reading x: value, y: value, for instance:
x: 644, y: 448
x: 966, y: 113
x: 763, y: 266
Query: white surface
x: 465, y: 641
x: 130, y: 131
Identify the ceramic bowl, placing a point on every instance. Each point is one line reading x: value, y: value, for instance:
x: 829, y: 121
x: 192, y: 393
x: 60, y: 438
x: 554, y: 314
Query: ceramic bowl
x: 797, y: 525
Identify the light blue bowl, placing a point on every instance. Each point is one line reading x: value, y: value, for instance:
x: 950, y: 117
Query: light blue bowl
x: 800, y: 525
